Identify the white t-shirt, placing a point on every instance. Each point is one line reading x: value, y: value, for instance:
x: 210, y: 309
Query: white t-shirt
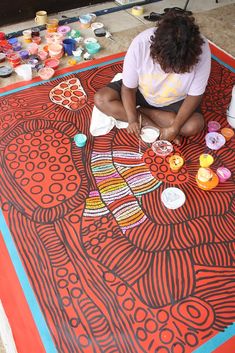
x: 160, y: 88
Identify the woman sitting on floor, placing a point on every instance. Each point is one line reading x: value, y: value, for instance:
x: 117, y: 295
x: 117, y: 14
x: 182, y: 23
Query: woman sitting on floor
x: 165, y: 74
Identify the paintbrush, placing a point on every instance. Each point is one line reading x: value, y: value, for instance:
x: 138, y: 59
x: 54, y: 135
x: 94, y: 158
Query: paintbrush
x: 140, y: 122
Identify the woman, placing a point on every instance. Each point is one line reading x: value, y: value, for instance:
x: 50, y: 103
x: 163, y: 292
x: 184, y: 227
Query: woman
x: 165, y: 74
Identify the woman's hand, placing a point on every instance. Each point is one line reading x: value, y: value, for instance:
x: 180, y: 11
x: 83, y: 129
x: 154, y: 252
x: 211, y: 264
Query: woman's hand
x: 134, y: 128
x: 169, y: 133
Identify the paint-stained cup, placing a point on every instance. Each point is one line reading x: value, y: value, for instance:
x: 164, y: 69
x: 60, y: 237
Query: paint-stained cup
x: 69, y: 46
x: 41, y: 17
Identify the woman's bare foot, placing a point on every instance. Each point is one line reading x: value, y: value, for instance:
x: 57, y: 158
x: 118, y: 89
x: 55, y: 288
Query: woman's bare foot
x: 177, y: 140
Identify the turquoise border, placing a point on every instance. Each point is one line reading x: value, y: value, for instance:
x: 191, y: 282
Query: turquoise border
x: 40, y: 322
x: 224, y: 64
x: 62, y: 75
x: 217, y: 341
x: 27, y: 289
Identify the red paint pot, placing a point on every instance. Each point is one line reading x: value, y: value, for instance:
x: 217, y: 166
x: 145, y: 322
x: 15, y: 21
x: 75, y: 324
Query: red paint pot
x: 14, y: 59
x: 2, y: 35
x: 52, y: 62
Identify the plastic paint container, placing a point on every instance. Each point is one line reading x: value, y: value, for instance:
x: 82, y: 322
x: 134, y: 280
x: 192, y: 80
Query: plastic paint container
x: 149, y: 134
x: 213, y: 126
x: 52, y: 62
x: 35, y: 32
x: 227, y: 133
x: 214, y: 140
x: 5, y: 71
x: 223, y: 174
x: 92, y: 48
x: 162, y: 148
x: 173, y: 198
x: 205, y: 160
x: 2, y: 57
x: 46, y: 73
x: 80, y: 140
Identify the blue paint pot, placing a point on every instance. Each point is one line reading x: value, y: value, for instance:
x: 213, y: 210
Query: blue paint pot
x: 80, y: 140
x: 69, y: 45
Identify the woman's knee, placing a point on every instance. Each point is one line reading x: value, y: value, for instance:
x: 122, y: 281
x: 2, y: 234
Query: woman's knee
x: 194, y: 125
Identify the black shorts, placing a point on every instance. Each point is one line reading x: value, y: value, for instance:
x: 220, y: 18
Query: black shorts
x: 140, y: 100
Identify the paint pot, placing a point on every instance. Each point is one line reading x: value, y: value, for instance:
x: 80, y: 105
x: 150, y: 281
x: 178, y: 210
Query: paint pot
x: 100, y: 32
x: 55, y: 50
x: 64, y: 30
x: 32, y: 48
x: 75, y: 34
x: 206, y: 160
x: 90, y: 40
x: 223, y: 174
x: 35, y: 32
x: 206, y: 179
x: 86, y: 20
x: 2, y: 57
x: 92, y: 48
x: 213, y: 126
x: 52, y: 62
x: 5, y: 71
x: 36, y: 40
x: 176, y: 163
x: 14, y: 59
x: 42, y: 55
x: 69, y: 45
x: 96, y: 25
x: 25, y: 71
x: 24, y: 54
x: 46, y: 73
x: 52, y: 25
x: 12, y: 41
x: 2, y: 35
x: 162, y: 148
x: 80, y: 140
x: 149, y: 134
x: 227, y: 133
x: 173, y: 198
x: 214, y: 140
x: 33, y: 61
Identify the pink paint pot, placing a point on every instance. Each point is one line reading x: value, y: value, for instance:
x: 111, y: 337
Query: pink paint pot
x: 223, y: 174
x: 46, y: 73
x: 213, y: 126
x: 42, y: 54
x: 52, y: 62
x: 32, y: 48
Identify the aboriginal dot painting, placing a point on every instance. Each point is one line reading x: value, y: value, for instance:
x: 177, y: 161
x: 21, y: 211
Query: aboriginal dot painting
x: 111, y: 269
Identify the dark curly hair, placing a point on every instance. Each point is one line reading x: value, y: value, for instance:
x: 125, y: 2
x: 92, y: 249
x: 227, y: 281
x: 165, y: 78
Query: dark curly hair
x: 176, y: 43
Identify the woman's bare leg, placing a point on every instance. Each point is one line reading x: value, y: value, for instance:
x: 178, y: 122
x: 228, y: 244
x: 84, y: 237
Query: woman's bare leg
x: 109, y: 102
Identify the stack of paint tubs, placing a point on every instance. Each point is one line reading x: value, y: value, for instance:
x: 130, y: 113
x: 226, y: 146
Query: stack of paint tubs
x: 14, y: 59
x: 27, y: 36
x: 52, y: 25
x: 16, y: 45
x: 36, y: 35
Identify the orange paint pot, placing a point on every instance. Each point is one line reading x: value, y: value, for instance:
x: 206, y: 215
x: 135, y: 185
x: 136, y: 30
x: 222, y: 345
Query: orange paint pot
x: 176, y: 163
x: 227, y: 133
x: 206, y: 179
